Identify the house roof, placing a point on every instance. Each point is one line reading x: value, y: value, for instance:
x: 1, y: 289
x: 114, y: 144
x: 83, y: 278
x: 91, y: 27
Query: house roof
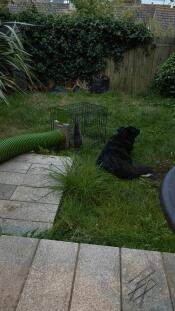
x: 145, y: 12
x: 164, y: 14
x: 165, y: 17
x: 44, y: 6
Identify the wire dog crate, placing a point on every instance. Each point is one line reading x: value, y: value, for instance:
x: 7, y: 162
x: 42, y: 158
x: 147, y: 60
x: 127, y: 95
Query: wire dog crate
x: 91, y: 119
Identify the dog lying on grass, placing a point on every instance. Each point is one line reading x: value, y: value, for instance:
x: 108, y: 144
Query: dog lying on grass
x: 116, y: 155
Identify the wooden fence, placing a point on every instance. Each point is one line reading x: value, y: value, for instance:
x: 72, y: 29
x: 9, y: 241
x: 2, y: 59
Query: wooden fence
x: 135, y: 74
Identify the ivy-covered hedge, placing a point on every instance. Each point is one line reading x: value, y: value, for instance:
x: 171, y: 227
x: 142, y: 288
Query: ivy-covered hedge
x: 164, y: 79
x: 71, y: 46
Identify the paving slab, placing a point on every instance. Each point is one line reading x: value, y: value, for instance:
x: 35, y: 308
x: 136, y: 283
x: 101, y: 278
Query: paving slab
x: 40, y: 195
x: 38, y: 180
x: 27, y: 211
x: 6, y: 191
x: 144, y: 284
x: 43, y: 159
x: 50, y: 279
x: 8, y: 178
x: 26, y: 182
x: 41, y: 169
x: 15, y: 167
x: 23, y: 228
x: 16, y: 256
x: 169, y: 262
x: 97, y: 281
x: 45, y: 169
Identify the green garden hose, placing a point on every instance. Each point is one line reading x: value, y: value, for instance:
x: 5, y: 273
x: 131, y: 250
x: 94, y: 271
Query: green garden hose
x: 13, y: 146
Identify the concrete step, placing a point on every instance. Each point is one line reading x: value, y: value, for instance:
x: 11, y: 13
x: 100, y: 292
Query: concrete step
x: 60, y: 276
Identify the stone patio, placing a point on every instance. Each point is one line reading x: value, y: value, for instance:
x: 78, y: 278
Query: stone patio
x: 42, y: 275
x: 27, y: 202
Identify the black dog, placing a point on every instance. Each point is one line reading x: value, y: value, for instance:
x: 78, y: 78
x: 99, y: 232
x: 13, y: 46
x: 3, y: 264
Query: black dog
x: 116, y: 155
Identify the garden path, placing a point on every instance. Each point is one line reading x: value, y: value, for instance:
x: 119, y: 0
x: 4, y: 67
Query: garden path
x: 27, y: 201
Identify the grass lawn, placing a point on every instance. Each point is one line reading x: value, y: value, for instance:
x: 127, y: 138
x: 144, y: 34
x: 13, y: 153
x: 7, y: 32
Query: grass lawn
x: 98, y: 208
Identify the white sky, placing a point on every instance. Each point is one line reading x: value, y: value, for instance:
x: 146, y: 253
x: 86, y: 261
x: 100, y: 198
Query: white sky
x: 156, y: 1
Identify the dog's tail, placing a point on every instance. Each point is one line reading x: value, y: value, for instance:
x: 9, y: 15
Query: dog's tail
x: 133, y: 172
x: 144, y: 171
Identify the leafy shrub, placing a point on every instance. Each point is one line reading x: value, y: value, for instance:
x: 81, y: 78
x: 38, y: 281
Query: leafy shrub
x: 165, y: 77
x: 91, y: 6
x: 75, y: 46
x: 13, y: 60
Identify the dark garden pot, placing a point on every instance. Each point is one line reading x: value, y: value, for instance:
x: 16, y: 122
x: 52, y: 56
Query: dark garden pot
x: 100, y: 84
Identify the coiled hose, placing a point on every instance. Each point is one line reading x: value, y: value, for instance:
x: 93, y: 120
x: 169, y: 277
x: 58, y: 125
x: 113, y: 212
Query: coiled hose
x: 13, y: 146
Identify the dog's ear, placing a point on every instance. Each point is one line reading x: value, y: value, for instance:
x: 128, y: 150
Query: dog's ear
x: 133, y: 131
x: 120, y: 130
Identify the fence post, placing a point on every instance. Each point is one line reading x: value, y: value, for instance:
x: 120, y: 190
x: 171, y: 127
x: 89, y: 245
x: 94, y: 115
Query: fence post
x: 65, y: 128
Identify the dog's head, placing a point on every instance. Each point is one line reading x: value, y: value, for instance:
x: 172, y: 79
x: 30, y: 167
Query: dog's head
x: 128, y: 133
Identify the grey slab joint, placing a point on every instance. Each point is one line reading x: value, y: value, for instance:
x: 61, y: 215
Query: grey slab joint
x: 97, y: 279
x: 49, y: 283
x: 16, y: 255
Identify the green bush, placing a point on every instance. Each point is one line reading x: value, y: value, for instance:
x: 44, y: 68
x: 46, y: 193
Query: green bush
x: 74, y: 46
x: 164, y: 79
x: 91, y: 6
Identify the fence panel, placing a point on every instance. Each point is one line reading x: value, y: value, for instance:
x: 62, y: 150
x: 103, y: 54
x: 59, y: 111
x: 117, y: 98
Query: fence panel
x: 135, y: 74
